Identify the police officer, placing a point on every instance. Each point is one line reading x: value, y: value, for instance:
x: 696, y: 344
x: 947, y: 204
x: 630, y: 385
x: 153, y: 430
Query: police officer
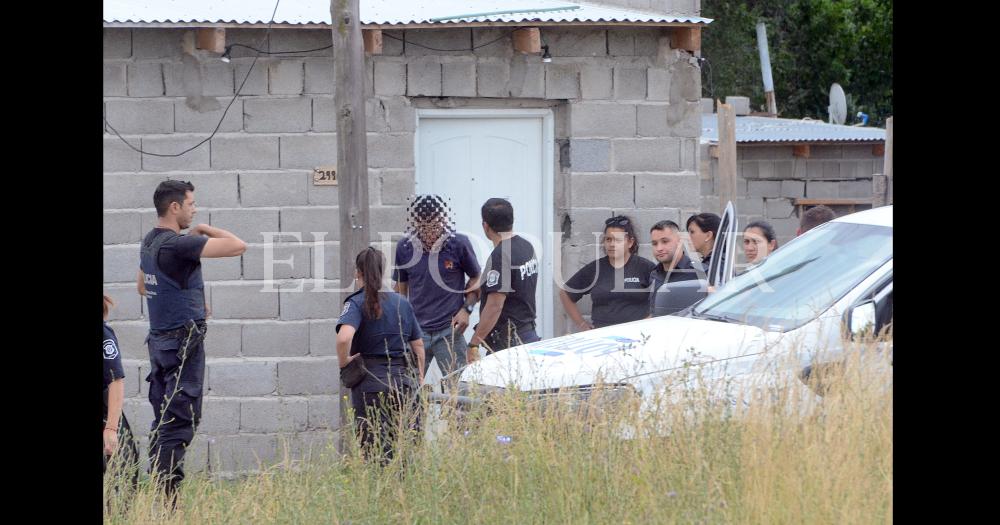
x: 674, y: 265
x: 507, y: 287
x: 375, y: 326
x: 117, y: 432
x: 170, y: 279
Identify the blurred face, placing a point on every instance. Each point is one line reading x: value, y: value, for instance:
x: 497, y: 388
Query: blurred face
x: 701, y: 240
x: 616, y: 243
x: 754, y: 245
x: 666, y: 245
x: 187, y: 211
x: 429, y: 230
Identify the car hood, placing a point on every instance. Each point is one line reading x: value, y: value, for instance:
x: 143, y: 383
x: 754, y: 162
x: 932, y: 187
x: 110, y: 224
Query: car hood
x: 618, y: 353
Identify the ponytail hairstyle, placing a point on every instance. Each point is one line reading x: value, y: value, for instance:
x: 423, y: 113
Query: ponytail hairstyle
x: 108, y: 303
x: 370, y: 263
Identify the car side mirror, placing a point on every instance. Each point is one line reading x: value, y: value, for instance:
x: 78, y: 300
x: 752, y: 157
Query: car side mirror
x: 861, y: 320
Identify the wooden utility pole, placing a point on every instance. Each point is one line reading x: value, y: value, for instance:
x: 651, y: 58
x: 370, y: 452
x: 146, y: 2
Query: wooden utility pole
x: 352, y: 148
x: 727, y: 154
x: 887, y: 168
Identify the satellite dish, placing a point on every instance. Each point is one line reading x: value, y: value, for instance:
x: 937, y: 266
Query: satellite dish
x: 838, y: 104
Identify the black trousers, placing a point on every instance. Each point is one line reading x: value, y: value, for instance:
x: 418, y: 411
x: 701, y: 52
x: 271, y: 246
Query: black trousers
x: 380, y: 417
x: 176, y: 378
x: 504, y: 338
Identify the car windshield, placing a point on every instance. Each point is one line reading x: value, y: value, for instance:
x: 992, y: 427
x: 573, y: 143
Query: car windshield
x: 803, y: 279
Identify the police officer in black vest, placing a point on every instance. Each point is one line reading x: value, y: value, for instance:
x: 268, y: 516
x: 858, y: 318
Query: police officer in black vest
x: 117, y: 432
x: 375, y: 326
x: 170, y: 279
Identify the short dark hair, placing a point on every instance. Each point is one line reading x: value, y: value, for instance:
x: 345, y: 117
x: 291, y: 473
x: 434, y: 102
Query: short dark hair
x: 626, y: 223
x: 764, y: 227
x: 498, y: 214
x: 664, y: 225
x: 170, y: 191
x: 707, y: 222
x: 815, y: 216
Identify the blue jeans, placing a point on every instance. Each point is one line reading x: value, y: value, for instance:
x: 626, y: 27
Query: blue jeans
x: 449, y: 350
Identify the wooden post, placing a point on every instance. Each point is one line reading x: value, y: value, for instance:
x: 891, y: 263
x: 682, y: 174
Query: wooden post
x: 887, y: 169
x: 212, y: 39
x: 373, y: 41
x: 528, y: 40
x: 352, y: 149
x: 727, y: 154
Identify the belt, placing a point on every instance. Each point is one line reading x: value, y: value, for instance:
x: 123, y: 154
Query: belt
x: 182, y: 331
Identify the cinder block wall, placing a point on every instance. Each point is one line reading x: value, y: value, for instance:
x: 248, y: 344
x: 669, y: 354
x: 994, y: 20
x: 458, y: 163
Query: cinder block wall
x: 770, y: 178
x: 627, y: 128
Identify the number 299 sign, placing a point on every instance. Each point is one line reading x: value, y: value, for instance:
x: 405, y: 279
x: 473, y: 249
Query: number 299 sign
x: 325, y: 176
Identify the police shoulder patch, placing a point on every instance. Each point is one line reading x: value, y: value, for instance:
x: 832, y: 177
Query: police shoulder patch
x: 492, y: 278
x: 110, y: 349
x: 347, y: 306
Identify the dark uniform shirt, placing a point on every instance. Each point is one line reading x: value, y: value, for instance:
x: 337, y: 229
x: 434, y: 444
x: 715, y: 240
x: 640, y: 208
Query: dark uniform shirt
x: 512, y: 269
x: 180, y: 256
x: 614, y: 302
x: 383, y: 342
x: 423, y: 270
x: 112, y: 361
x: 683, y: 271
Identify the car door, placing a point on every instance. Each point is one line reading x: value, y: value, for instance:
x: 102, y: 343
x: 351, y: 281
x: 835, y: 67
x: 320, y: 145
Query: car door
x: 720, y: 271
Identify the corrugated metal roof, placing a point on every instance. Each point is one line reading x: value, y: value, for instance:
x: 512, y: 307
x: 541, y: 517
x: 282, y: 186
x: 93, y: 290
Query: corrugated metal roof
x: 377, y: 12
x: 764, y: 129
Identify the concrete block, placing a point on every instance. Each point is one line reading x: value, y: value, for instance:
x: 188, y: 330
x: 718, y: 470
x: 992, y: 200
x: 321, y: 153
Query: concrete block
x: 794, y: 189
x: 527, y: 77
x: 390, y: 151
x: 121, y: 227
x: 493, y: 76
x: 212, y: 190
x: 779, y: 208
x: 651, y: 120
x: 741, y: 105
x: 684, y: 119
x: 252, y: 79
x: 310, y: 376
x: 397, y: 186
x: 310, y: 219
x: 198, y: 159
x: 324, y: 412
x: 121, y: 262
x: 221, y: 269
x: 219, y: 416
x: 629, y: 83
x: 288, y: 261
x: 323, y: 337
x: 224, y: 338
x: 647, y: 41
x: 423, y: 77
x: 708, y: 187
x: 277, y: 115
x: 114, y: 79
x: 307, y: 304
x: 765, y: 169
x: 329, y: 254
x: 319, y: 76
x: 275, y: 339
x: 247, y: 224
x: 459, y: 78
x: 245, y: 152
x: 119, y: 157
x: 576, y: 42
x: 157, y: 43
x: 764, y: 188
x: 590, y: 155
x: 799, y: 169
x: 814, y: 169
x: 194, y: 79
x: 387, y: 220
x: 747, y: 169
x: 128, y: 304
x: 785, y: 228
x: 562, y: 81
x: 117, y: 43
x: 322, y: 195
x: 853, y: 169
x: 602, y: 120
x: 400, y: 115
x: 596, y: 82
x: 822, y: 190
x: 299, y: 40
x: 418, y: 40
x: 139, y: 414
x: 132, y: 336
x: 614, y: 190
x: 831, y: 170
x: 750, y: 206
x: 390, y: 77
x: 751, y: 152
x: 274, y: 188
x: 286, y: 77
x: 707, y: 105
x: 826, y: 152
x: 392, y: 43
x: 784, y: 169
x: 244, y: 452
x: 672, y: 190
x: 205, y: 120
x: 685, y: 82
x: 856, y: 189
x: 133, y: 117
x: 646, y: 154
x: 621, y: 42
x: 273, y: 415
x: 308, y: 151
x: 244, y: 300
x: 657, y: 84
x: 493, y: 42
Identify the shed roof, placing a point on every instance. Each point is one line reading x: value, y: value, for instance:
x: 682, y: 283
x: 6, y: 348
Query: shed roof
x: 765, y: 129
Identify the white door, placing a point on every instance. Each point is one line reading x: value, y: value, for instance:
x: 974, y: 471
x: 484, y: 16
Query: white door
x: 469, y: 156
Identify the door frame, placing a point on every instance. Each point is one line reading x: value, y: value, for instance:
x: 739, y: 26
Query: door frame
x: 546, y: 309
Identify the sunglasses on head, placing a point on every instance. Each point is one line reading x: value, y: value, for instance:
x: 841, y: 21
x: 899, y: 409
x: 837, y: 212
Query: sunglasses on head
x: 617, y: 221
